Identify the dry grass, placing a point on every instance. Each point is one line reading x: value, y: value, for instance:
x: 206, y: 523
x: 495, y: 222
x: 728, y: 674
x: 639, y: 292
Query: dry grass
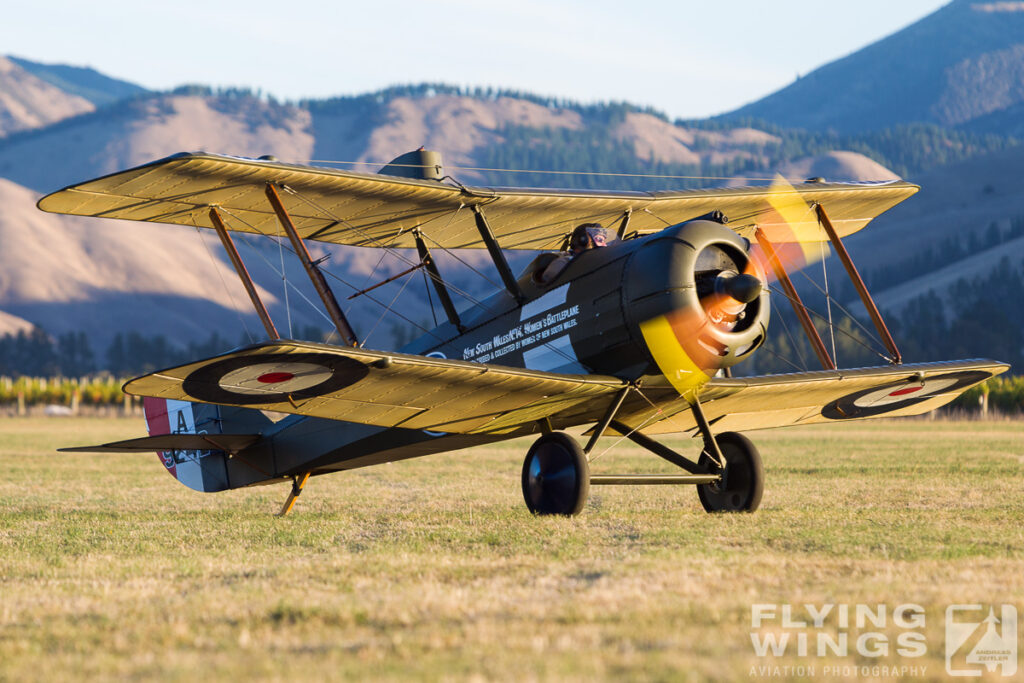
x: 433, y: 569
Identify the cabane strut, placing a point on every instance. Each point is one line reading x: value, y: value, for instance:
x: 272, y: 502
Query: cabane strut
x: 497, y: 255
x: 435, y: 275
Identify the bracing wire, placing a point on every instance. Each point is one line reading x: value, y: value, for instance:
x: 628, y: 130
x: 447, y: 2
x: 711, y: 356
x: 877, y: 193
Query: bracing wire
x: 819, y: 316
x: 231, y: 297
x: 868, y: 333
x: 388, y: 249
x: 298, y: 291
x: 328, y: 273
x: 408, y: 279
x: 769, y: 349
x: 625, y: 436
x: 549, y: 172
x: 455, y: 256
x: 430, y: 298
x: 369, y: 278
x: 828, y: 304
x: 402, y: 257
x: 383, y: 305
x: 284, y: 284
x: 658, y: 412
x: 648, y: 211
x: 791, y: 338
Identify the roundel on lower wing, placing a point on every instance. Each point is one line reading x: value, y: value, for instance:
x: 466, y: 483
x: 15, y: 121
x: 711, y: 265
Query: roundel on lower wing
x: 265, y: 378
x: 898, y: 395
x: 272, y: 378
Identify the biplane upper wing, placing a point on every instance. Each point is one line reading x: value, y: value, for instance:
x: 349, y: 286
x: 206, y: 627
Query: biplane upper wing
x: 367, y: 209
x: 378, y: 388
x: 745, y: 403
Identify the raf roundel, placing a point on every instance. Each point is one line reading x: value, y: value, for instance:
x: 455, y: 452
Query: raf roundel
x: 270, y: 378
x: 273, y: 378
x: 895, y: 396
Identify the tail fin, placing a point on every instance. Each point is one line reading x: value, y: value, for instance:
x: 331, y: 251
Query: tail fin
x: 201, y: 470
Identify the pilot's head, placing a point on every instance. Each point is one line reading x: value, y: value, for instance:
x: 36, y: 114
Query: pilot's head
x: 587, y: 236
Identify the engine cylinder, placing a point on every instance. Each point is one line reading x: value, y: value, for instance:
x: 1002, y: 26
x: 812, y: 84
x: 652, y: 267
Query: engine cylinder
x: 696, y: 299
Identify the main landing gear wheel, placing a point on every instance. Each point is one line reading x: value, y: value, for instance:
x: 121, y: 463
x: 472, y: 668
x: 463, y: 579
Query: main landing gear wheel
x: 743, y: 480
x: 556, y: 476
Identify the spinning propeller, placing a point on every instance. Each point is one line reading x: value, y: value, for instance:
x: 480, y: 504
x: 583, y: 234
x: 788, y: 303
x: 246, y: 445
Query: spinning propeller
x: 791, y: 225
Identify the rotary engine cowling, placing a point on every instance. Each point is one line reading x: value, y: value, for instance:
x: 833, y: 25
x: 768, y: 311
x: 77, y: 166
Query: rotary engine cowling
x: 696, y: 299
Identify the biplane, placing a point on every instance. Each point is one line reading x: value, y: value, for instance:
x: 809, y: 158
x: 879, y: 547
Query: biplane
x: 632, y: 340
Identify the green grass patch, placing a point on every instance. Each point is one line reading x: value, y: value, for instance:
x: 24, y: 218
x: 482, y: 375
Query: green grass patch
x: 433, y: 568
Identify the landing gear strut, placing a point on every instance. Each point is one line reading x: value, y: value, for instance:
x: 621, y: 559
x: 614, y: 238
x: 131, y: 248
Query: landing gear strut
x: 729, y: 475
x: 742, y: 482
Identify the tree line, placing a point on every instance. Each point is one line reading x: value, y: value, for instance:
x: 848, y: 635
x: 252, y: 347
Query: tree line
x: 978, y: 317
x: 36, y: 353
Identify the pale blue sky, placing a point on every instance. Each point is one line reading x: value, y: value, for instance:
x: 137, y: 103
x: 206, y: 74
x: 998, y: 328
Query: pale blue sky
x: 688, y: 59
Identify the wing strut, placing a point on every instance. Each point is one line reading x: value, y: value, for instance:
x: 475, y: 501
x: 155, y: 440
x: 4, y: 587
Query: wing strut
x: 435, y: 275
x: 794, y: 298
x: 317, y: 278
x: 624, y: 223
x: 858, y: 283
x: 497, y: 255
x: 608, y: 418
x: 243, y: 272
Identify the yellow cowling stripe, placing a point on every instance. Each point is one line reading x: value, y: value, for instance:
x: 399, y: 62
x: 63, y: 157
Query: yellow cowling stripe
x: 677, y: 366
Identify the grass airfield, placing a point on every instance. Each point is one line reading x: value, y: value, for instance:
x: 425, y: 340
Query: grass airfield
x: 433, y: 568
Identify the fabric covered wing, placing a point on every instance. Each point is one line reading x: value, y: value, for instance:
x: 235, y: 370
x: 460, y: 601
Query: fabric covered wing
x: 377, y: 388
x: 740, y: 404
x: 371, y: 210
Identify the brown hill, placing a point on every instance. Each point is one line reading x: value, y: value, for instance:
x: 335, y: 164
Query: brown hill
x: 958, y: 66
x: 28, y: 102
x: 462, y: 127
x: 67, y: 273
x: 142, y: 130
x: 64, y: 292
x: 838, y: 165
x: 942, y: 279
x: 458, y: 125
x: 656, y: 139
x: 957, y: 205
x: 954, y: 201
x: 12, y: 324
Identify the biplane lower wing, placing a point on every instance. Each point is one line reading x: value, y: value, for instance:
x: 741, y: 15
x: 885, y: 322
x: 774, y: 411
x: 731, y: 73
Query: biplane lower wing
x: 443, y: 395
x: 745, y: 403
x: 377, y: 388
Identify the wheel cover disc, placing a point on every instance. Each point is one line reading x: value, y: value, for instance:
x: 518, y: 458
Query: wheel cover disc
x: 552, y: 479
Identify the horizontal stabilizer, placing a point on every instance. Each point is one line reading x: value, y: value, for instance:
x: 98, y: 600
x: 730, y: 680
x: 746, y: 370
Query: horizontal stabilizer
x: 229, y: 443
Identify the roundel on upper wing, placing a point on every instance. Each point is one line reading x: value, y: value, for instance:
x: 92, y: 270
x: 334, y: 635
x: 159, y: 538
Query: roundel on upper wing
x: 272, y: 378
x: 898, y: 395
